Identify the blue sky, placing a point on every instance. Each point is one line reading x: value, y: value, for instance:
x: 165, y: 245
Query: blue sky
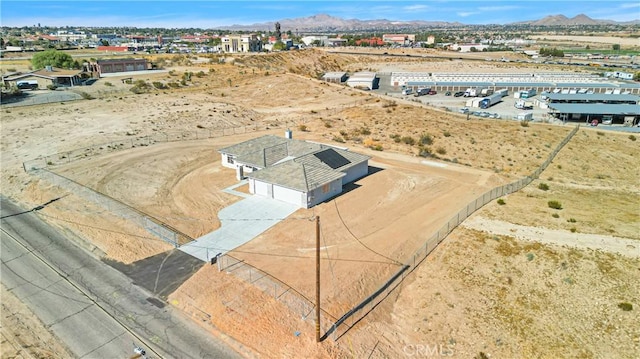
x: 211, y: 13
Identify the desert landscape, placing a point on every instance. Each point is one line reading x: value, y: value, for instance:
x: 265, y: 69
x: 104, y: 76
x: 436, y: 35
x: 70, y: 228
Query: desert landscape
x: 517, y: 279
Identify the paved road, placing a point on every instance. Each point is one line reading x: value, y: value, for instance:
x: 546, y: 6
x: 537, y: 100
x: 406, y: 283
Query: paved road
x: 96, y: 310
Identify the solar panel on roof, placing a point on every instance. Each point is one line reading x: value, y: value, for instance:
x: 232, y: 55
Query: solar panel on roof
x: 332, y: 158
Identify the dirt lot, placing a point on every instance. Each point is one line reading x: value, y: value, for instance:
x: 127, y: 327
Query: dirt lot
x: 478, y: 292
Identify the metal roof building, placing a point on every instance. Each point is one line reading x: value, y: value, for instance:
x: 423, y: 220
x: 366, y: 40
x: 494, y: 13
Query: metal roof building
x: 592, y: 98
x: 629, y: 115
x: 367, y: 80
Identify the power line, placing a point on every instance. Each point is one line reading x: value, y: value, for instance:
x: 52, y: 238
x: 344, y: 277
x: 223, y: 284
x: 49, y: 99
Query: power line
x: 219, y: 249
x: 358, y: 240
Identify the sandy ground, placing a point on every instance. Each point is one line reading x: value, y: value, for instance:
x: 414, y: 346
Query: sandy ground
x: 475, y: 293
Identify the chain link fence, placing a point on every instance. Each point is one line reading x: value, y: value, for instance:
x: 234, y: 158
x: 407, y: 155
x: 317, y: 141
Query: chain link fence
x: 298, y: 303
x: 353, y: 316
x: 294, y: 300
x: 152, y: 225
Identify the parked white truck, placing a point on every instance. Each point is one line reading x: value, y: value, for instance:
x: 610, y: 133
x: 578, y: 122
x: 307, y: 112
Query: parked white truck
x: 473, y: 91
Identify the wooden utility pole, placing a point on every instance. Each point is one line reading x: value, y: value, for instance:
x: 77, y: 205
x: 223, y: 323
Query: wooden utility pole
x: 318, y: 279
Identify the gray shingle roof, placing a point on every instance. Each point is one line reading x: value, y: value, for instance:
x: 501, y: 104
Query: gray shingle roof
x: 297, y: 176
x: 294, y: 164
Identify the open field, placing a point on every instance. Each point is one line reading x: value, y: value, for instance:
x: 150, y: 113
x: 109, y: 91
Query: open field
x: 476, y: 293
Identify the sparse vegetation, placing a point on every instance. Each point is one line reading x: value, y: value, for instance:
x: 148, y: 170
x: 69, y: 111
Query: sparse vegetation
x: 554, y: 204
x: 426, y: 139
x: 555, y: 215
x: 408, y: 140
x: 627, y: 307
x: 303, y: 128
x: 501, y: 201
x: 543, y: 186
x: 632, y: 137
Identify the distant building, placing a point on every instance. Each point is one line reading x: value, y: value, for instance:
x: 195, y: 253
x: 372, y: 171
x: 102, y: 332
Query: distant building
x: 399, y: 39
x: 49, y: 76
x: 333, y: 42
x: 364, y: 80
x: 310, y: 40
x: 431, y: 40
x: 468, y: 47
x: 374, y: 41
x: 337, y: 77
x: 101, y: 67
x: 241, y: 43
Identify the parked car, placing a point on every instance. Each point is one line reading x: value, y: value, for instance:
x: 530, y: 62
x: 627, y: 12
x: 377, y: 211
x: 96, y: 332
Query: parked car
x: 458, y: 94
x: 433, y: 92
x: 464, y: 110
x: 448, y: 93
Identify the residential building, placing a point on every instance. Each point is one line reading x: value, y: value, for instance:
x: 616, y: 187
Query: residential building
x: 294, y: 171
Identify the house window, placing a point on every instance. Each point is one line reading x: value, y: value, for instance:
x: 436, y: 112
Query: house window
x: 230, y: 159
x: 326, y: 188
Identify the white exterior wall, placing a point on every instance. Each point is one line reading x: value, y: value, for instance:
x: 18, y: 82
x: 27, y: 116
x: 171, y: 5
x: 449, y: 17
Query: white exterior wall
x: 355, y: 172
x: 319, y: 194
x: 225, y: 161
x: 290, y: 196
x: 262, y: 188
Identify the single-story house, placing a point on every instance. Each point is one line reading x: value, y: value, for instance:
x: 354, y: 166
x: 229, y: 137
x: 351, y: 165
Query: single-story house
x: 45, y: 77
x: 294, y: 171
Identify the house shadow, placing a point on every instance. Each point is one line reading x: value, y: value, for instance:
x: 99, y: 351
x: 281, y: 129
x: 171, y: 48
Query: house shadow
x: 346, y: 188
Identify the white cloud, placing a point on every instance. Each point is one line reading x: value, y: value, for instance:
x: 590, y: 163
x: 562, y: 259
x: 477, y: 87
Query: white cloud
x: 466, y: 13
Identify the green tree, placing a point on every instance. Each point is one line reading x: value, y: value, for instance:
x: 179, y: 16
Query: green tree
x: 616, y: 47
x: 53, y: 58
x: 278, y: 46
x: 104, y: 42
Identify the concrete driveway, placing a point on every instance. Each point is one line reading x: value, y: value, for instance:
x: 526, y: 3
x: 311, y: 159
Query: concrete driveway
x: 240, y: 223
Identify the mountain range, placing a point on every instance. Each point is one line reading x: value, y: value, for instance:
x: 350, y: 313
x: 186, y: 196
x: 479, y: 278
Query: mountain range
x: 324, y: 22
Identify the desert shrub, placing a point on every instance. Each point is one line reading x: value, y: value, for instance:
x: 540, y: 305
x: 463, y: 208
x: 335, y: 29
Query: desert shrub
x: 86, y: 96
x: 632, y: 137
x: 571, y: 220
x: 408, y: 140
x: 426, y: 139
x: 501, y: 201
x: 303, y: 128
x: 424, y: 152
x: 344, y: 133
x: 441, y: 150
x: 555, y: 215
x: 543, y: 186
x: 395, y: 137
x: 364, y: 131
x: 524, y: 123
x: 338, y: 139
x: 627, y: 307
x: 200, y: 74
x: 554, y: 204
x: 446, y: 134
x: 159, y: 85
x: 173, y: 84
x: 600, y: 133
x: 530, y: 256
x: 573, y: 229
x: 328, y: 124
x: 108, y: 84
